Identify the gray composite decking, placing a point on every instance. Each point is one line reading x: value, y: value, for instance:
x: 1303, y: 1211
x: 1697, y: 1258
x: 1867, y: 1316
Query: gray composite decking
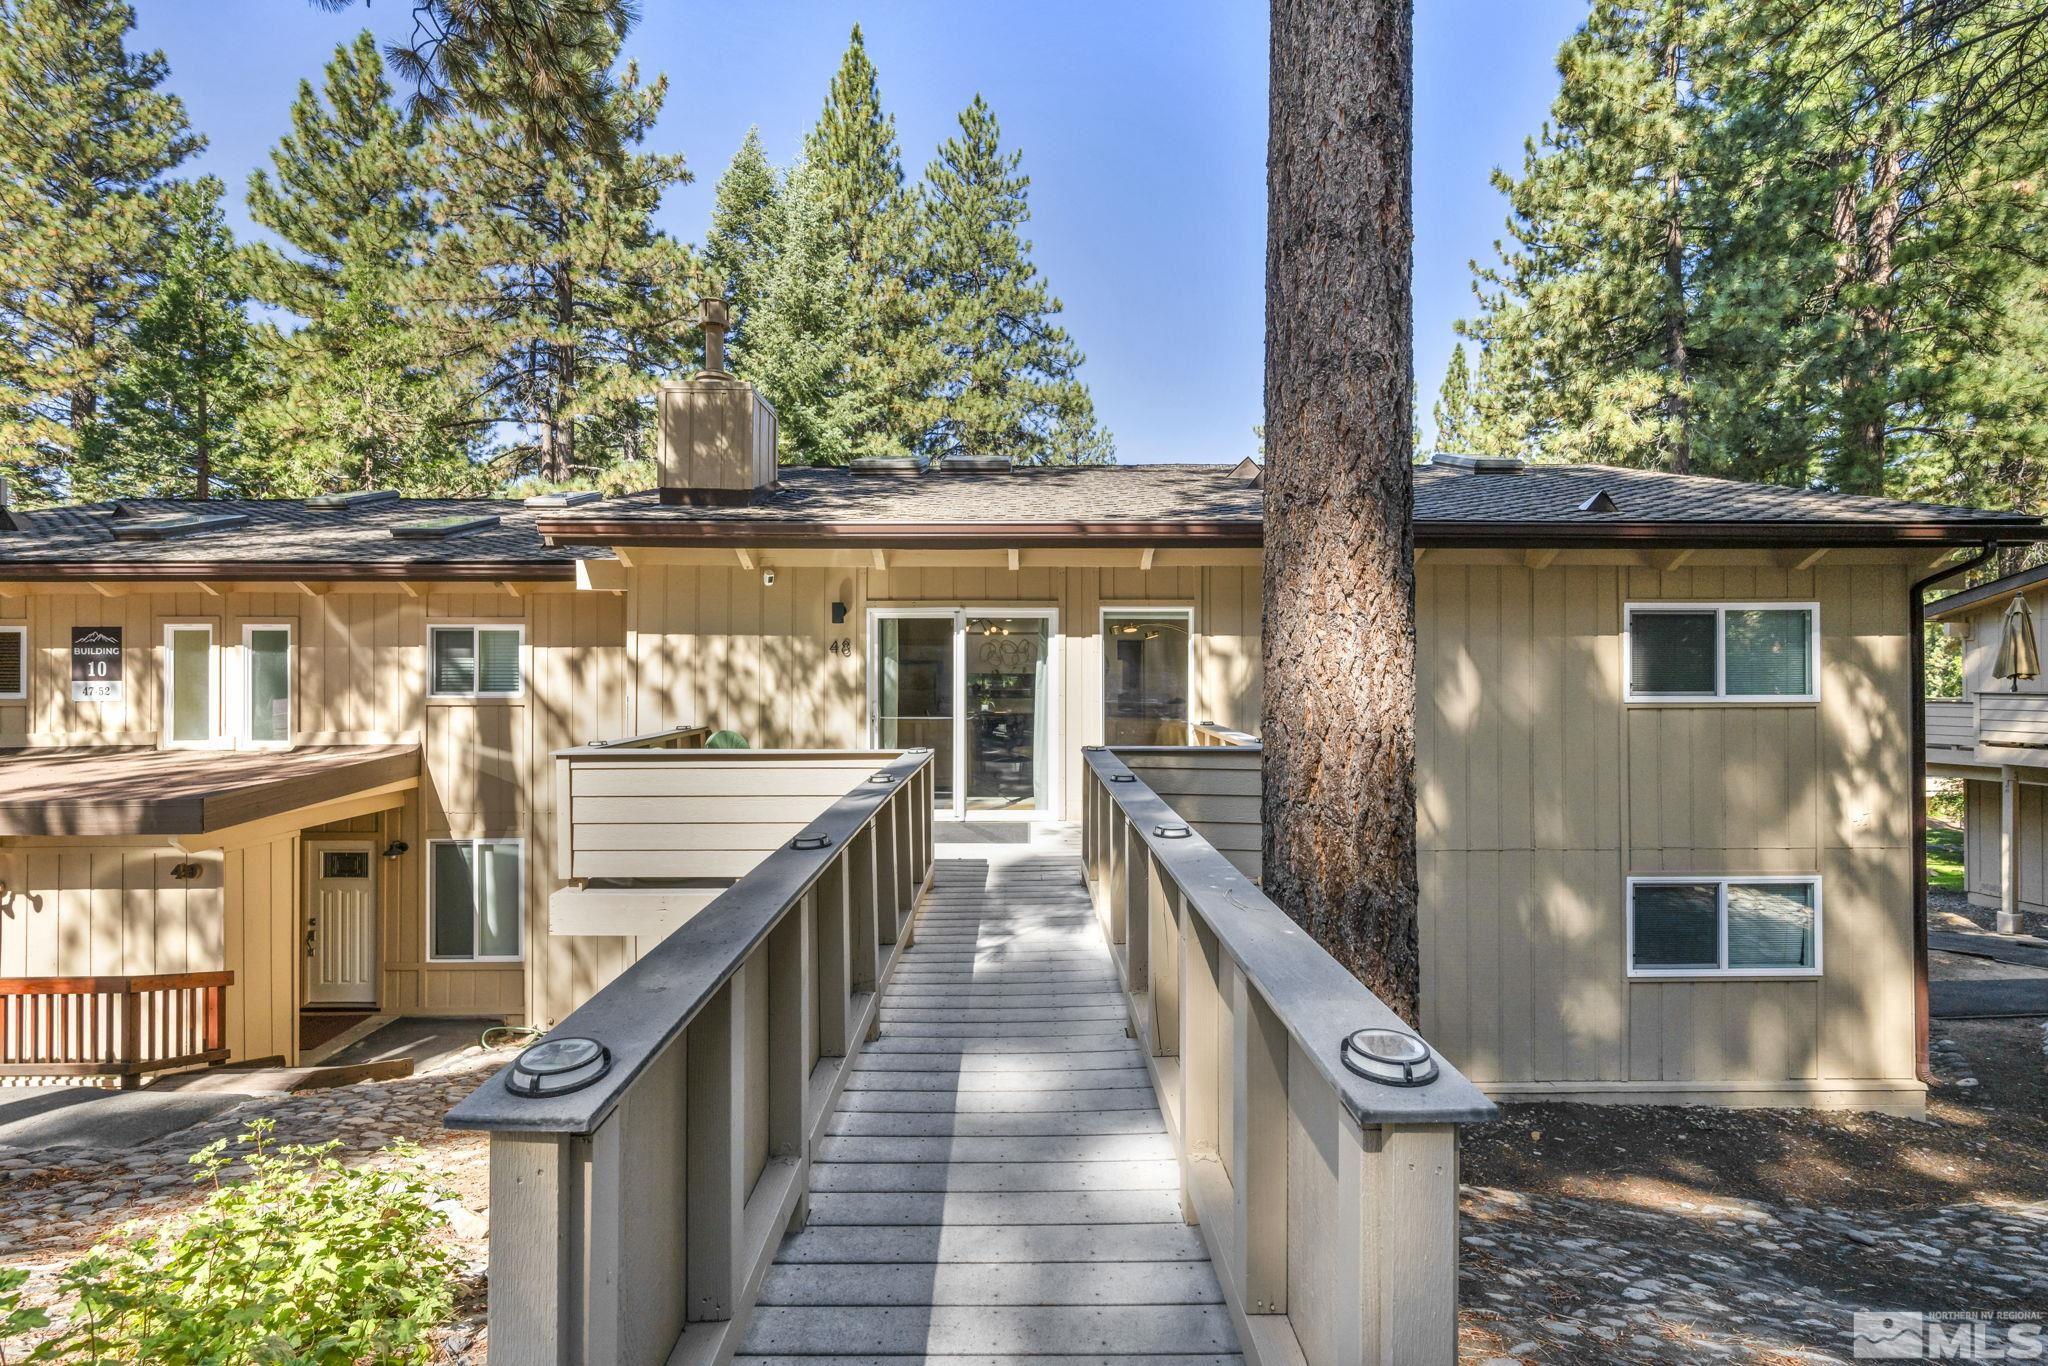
x: 996, y: 1186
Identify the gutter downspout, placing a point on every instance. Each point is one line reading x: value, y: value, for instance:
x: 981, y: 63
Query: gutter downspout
x: 1917, y: 633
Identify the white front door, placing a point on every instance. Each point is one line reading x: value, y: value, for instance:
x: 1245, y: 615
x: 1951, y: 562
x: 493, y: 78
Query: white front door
x: 341, y: 924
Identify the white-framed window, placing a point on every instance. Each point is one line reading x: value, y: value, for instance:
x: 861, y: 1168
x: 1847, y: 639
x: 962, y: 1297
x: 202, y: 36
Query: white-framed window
x: 477, y: 660
x: 1722, y: 652
x: 13, y: 663
x: 1148, y: 672
x: 267, y: 691
x: 191, y: 687
x: 1762, y: 926
x: 475, y: 890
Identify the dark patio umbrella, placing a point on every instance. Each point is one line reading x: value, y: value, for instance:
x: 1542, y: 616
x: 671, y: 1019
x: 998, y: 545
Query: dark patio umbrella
x: 2018, y: 654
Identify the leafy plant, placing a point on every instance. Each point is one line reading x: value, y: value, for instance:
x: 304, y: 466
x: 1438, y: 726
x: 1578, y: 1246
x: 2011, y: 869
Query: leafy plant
x: 15, y: 1320
x: 306, y: 1261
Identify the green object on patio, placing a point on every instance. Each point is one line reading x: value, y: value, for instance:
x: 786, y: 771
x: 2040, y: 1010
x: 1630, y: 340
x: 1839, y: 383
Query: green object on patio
x: 726, y: 739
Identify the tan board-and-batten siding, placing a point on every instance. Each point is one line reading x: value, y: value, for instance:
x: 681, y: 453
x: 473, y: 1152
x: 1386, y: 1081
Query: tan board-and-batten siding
x: 1540, y: 792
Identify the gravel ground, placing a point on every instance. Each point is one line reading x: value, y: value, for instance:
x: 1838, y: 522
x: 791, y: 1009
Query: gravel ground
x: 1599, y: 1234
x: 55, y: 1202
x: 1593, y: 1234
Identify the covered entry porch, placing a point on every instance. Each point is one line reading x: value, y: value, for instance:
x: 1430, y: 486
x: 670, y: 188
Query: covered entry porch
x: 153, y: 902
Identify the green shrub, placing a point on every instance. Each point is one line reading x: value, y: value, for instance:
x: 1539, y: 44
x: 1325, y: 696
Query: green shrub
x: 306, y: 1261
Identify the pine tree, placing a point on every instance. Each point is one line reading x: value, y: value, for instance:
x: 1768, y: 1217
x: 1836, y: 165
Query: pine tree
x: 892, y: 361
x: 1009, y: 384
x: 801, y: 334
x: 346, y: 186
x: 356, y: 401
x: 1593, y: 314
x: 741, y: 250
x: 547, y: 283
x: 86, y: 141
x: 172, y: 422
x: 1456, y: 414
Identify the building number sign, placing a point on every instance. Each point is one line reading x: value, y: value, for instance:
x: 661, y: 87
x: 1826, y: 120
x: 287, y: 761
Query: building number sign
x: 95, y: 664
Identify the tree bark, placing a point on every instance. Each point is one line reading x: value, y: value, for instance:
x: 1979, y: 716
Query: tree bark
x: 1338, y: 710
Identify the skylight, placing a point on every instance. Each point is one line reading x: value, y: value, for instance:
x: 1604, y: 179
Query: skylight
x: 441, y: 528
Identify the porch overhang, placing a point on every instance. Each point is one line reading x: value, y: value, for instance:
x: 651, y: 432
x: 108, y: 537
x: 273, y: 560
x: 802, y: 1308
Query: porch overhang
x: 188, y: 793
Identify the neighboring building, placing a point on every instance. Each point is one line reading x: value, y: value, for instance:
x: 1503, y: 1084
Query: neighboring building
x: 1665, y: 728
x: 1995, y: 738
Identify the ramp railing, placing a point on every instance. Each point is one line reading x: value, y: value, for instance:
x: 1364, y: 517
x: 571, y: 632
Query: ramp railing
x: 649, y: 1153
x: 1328, y: 1198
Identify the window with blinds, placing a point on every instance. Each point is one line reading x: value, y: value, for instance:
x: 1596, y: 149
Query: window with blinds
x: 13, y: 663
x: 1723, y: 652
x: 474, y: 661
x: 1692, y: 927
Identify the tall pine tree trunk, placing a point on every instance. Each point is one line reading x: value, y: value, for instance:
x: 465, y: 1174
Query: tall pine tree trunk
x: 1338, y: 715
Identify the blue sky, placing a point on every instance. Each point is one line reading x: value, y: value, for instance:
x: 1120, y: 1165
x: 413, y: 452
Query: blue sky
x: 1143, y: 127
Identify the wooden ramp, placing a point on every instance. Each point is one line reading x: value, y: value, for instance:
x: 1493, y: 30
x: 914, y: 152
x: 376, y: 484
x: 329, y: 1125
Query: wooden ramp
x: 996, y: 1186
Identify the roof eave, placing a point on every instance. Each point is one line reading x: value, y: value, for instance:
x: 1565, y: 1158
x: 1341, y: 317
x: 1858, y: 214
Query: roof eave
x: 286, y: 571
x: 1984, y: 595
x: 786, y: 535
x: 791, y: 535
x: 1703, y: 535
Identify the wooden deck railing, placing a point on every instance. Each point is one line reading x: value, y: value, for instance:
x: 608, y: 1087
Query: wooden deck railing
x: 675, y: 737
x: 1951, y: 724
x: 1212, y: 733
x: 633, y: 1219
x: 1329, y: 1202
x: 123, y: 1027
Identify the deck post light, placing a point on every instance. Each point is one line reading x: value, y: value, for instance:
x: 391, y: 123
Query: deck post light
x: 1391, y: 1057
x: 555, y: 1067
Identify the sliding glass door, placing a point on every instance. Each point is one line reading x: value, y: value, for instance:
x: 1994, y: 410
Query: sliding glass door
x: 977, y: 688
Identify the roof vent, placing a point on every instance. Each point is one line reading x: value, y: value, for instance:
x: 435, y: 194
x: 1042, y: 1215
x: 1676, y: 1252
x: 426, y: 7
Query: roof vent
x: 573, y: 498
x: 1603, y: 501
x: 1250, y: 473
x: 975, y: 464
x: 441, y: 528
x: 1485, y: 464
x: 360, y: 498
x: 885, y: 464
x: 170, y: 528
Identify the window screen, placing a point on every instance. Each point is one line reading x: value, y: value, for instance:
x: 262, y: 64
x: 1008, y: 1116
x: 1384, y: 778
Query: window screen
x: 497, y: 661
x: 1677, y: 925
x: 191, y: 683
x: 13, y: 663
x: 1671, y: 654
x: 454, y: 662
x: 270, y: 684
x: 1770, y: 652
x: 1770, y: 925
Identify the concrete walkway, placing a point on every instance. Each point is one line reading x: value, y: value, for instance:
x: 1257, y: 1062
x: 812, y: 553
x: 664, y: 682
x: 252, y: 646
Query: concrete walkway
x: 997, y: 1183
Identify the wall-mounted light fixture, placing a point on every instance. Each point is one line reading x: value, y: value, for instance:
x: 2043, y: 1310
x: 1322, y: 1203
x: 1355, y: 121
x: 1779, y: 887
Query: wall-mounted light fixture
x: 396, y: 849
x: 767, y: 578
x: 184, y: 872
x: 839, y: 614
